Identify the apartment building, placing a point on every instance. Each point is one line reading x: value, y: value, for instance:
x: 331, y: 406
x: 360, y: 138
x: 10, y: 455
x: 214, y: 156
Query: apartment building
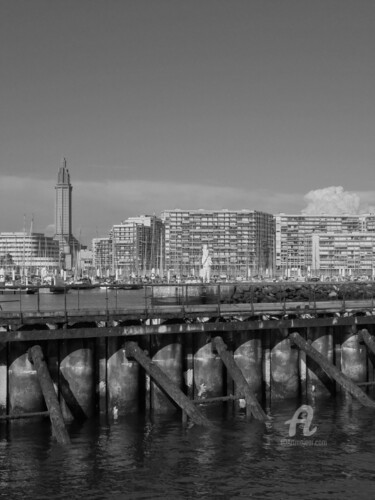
x: 344, y: 254
x: 138, y: 246
x: 239, y: 242
x: 102, y: 256
x: 28, y: 252
x: 324, y: 244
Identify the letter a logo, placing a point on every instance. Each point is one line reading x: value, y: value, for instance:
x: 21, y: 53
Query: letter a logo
x: 306, y: 420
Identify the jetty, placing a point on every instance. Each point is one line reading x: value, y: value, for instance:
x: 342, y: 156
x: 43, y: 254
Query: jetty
x: 182, y: 346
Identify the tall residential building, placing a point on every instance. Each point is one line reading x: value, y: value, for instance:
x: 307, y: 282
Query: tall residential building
x: 239, y: 242
x: 138, y: 246
x: 28, y: 252
x: 312, y: 243
x: 102, y: 256
x: 344, y: 254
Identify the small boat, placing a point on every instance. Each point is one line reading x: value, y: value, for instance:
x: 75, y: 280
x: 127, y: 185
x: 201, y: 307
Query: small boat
x: 131, y: 286
x: 57, y: 286
x: 16, y: 290
x: 81, y: 285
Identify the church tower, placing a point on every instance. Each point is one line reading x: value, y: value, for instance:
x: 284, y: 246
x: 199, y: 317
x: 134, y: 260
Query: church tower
x: 63, y: 204
x: 63, y: 217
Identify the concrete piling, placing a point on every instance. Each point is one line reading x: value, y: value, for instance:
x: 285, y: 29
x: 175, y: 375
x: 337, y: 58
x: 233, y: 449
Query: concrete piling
x: 248, y: 357
x: 208, y: 369
x: 25, y: 394
x: 353, y: 356
x: 123, y: 379
x: 166, y: 353
x: 317, y: 381
x: 77, y: 379
x: 284, y: 368
x: 3, y: 377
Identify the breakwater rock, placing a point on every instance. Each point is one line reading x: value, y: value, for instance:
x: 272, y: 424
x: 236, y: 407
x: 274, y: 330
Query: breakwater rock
x: 300, y: 292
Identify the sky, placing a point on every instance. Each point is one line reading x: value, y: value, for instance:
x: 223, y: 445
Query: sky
x: 160, y: 104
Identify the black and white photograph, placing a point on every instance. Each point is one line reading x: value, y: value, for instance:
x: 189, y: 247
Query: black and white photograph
x: 187, y: 249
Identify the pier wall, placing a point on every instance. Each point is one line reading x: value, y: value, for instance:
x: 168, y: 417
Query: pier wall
x: 92, y: 373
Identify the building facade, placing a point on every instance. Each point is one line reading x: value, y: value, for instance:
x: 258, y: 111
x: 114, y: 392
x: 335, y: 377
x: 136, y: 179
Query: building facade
x: 239, y: 242
x: 63, y: 203
x: 102, y: 256
x: 343, y: 254
x: 28, y: 253
x: 138, y: 246
x: 134, y: 248
x: 323, y: 244
x: 69, y: 245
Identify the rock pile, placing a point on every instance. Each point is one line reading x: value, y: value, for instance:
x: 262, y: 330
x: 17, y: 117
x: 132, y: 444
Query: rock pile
x: 300, y: 292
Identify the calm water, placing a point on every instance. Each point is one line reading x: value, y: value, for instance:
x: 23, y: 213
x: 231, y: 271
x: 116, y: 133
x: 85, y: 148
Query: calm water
x: 142, y: 458
x: 95, y: 298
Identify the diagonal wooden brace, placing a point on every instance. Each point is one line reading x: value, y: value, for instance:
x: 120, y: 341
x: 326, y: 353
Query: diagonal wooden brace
x: 174, y: 392
x: 332, y: 371
x: 37, y: 359
x: 253, y: 406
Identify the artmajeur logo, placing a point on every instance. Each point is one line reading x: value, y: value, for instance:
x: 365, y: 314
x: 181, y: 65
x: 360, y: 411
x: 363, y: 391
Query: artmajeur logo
x: 303, y: 416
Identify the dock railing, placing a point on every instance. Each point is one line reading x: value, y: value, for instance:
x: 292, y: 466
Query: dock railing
x: 251, y: 297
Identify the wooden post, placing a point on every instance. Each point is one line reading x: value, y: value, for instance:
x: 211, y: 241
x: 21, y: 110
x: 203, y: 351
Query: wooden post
x: 48, y: 390
x: 174, y: 392
x: 332, y: 371
x: 368, y: 340
x: 252, y: 404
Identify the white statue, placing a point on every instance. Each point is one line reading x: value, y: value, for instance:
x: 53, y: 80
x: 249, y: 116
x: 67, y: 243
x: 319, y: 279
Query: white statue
x: 206, y: 264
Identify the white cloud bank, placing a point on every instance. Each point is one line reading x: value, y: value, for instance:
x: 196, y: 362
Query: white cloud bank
x: 334, y: 200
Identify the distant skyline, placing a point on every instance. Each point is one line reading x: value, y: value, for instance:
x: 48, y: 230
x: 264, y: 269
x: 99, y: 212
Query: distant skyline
x: 184, y: 104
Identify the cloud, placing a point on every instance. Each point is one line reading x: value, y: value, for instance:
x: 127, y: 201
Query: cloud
x: 331, y: 201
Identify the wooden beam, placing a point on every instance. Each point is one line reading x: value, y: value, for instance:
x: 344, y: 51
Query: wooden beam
x: 16, y: 416
x: 206, y: 310
x: 252, y: 404
x: 332, y: 371
x: 134, y: 330
x: 173, y: 391
x: 368, y: 340
x: 217, y: 399
x: 59, y: 430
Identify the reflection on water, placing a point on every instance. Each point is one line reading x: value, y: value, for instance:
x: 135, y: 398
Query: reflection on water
x: 138, y: 457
